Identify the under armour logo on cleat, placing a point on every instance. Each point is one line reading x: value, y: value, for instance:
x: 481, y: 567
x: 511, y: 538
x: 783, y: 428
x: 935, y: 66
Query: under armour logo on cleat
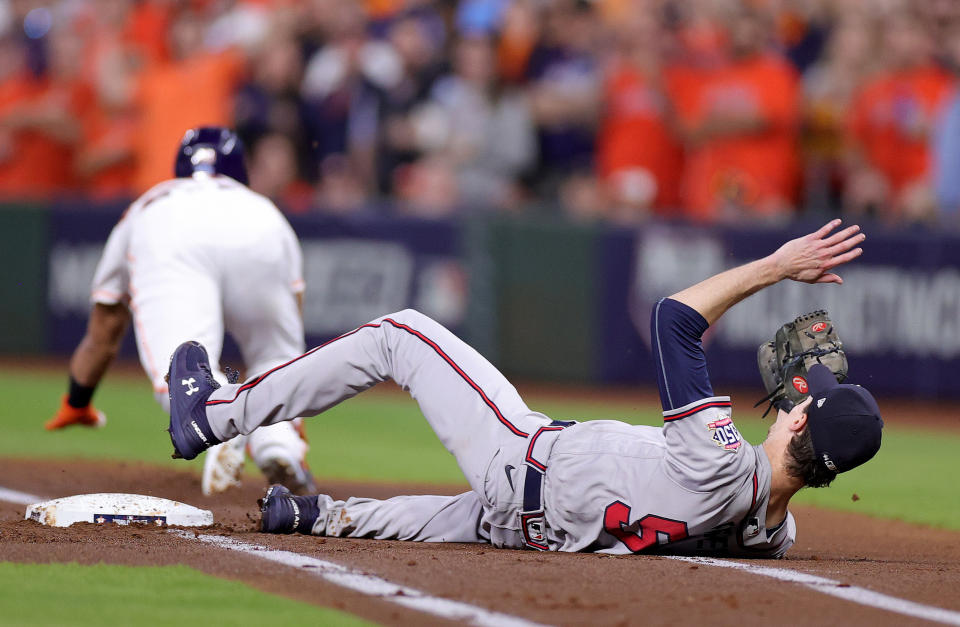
x: 190, y: 387
x: 196, y: 427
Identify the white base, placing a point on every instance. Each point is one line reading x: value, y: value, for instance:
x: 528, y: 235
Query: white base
x: 121, y: 509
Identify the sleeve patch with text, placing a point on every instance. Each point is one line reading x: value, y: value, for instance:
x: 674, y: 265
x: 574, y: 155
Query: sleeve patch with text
x: 725, y: 434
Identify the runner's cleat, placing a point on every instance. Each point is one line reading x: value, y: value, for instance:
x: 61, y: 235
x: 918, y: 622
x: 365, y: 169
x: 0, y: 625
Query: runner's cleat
x: 190, y: 382
x: 282, y: 512
x: 223, y: 466
x: 88, y: 416
x: 290, y: 473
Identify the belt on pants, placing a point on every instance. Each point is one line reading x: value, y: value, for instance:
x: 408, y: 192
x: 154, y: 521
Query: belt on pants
x: 533, y: 523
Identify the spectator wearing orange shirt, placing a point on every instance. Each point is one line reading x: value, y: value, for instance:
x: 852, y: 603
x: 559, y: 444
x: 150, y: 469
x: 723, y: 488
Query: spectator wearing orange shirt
x: 829, y: 86
x: 145, y: 30
x: 890, y: 124
x: 517, y: 38
x: 195, y: 88
x: 38, y: 118
x: 16, y: 87
x: 638, y: 155
x: 104, y: 161
x: 739, y: 125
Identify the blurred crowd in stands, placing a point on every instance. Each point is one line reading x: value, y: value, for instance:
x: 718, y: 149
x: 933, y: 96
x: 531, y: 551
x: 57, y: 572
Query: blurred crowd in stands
x: 615, y: 110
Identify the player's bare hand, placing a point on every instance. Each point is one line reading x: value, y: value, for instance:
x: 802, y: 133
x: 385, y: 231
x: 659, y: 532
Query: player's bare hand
x: 811, y: 258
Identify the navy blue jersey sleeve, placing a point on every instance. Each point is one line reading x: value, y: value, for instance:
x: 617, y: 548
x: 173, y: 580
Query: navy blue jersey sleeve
x: 681, y: 366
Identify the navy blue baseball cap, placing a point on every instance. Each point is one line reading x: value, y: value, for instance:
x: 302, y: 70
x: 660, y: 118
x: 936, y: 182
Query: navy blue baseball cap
x: 211, y: 149
x: 844, y: 421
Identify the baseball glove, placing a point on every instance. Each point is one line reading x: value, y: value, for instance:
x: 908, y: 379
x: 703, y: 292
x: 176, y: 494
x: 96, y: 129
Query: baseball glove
x: 810, y: 339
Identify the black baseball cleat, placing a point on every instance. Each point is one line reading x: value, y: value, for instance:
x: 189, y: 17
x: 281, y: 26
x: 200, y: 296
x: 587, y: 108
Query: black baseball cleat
x: 282, y: 512
x: 190, y: 382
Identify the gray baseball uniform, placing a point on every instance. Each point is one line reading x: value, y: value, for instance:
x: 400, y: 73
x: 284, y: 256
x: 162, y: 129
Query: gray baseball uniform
x: 692, y: 486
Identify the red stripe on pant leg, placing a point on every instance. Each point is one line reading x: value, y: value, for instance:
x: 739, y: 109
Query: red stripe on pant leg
x: 255, y: 382
x: 403, y: 327
x: 470, y: 382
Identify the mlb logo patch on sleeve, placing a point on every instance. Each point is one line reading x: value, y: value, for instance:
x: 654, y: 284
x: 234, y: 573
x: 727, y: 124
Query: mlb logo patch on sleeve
x: 725, y: 434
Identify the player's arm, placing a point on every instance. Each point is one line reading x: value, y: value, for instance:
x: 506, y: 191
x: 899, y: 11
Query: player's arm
x: 105, y: 330
x: 809, y: 259
x: 100, y: 344
x: 109, y: 319
x: 697, y: 424
x: 677, y: 323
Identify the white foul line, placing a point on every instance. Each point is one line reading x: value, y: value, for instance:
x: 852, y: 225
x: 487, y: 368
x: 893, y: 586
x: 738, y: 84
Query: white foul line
x: 370, y: 585
x: 417, y: 600
x: 12, y: 496
x: 855, y: 594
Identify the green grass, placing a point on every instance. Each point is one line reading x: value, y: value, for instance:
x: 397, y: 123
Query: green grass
x: 912, y: 478
x: 372, y: 437
x: 136, y: 426
x: 383, y: 437
x: 75, y: 595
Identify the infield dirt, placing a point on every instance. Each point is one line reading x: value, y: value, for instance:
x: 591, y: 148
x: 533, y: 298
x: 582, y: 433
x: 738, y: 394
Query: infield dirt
x: 907, y: 561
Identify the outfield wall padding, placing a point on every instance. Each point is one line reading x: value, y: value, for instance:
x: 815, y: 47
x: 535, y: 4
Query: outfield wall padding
x: 540, y: 298
x: 23, y: 247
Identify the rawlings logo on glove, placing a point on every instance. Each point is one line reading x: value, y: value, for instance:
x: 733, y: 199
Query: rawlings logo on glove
x: 810, y: 339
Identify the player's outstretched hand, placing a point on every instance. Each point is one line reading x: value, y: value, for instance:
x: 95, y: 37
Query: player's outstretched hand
x: 67, y: 415
x: 811, y: 258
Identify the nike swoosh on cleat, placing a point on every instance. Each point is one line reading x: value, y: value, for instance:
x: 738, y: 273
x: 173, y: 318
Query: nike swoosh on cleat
x: 508, y: 469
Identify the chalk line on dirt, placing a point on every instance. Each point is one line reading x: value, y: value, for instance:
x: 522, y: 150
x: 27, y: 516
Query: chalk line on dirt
x: 367, y: 584
x: 838, y: 589
x: 370, y: 585
x: 12, y: 496
x: 446, y: 608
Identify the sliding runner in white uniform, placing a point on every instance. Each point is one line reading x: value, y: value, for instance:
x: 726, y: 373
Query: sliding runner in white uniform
x: 194, y: 257
x: 692, y: 486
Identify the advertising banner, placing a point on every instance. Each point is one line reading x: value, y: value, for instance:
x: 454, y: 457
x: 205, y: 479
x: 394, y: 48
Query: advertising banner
x: 897, y: 312
x: 355, y: 270
x: 563, y: 302
x: 358, y: 269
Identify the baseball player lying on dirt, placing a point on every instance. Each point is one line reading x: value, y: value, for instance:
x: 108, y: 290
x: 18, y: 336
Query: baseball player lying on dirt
x: 692, y: 486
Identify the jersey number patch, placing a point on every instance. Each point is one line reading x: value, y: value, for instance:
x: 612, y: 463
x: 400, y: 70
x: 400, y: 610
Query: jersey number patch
x: 649, y: 531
